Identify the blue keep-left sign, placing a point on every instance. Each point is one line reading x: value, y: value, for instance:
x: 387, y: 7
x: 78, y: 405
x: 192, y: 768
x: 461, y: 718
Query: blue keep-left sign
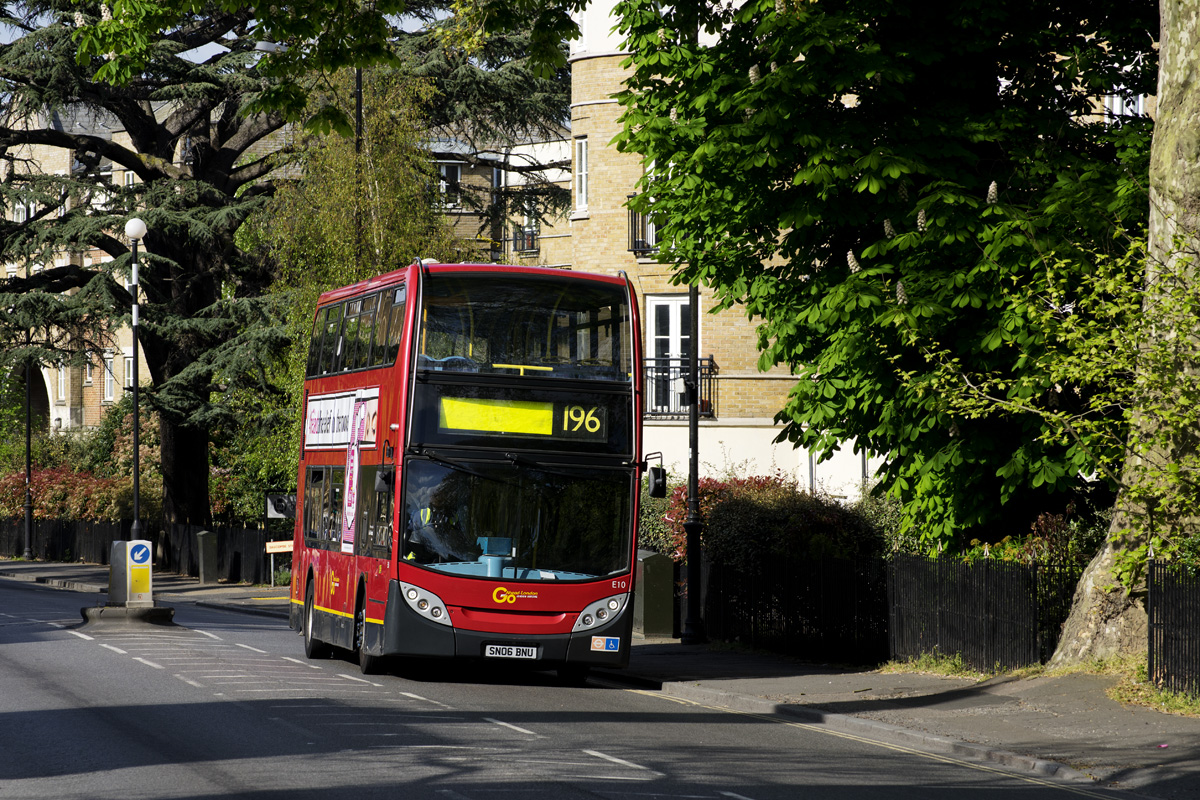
x: 139, y: 554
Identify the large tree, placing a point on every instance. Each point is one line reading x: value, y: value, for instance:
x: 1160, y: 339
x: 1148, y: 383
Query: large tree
x: 869, y: 180
x: 200, y: 167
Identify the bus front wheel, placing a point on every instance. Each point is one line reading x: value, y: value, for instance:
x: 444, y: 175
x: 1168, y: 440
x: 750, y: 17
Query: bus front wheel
x: 367, y: 664
x: 313, y: 647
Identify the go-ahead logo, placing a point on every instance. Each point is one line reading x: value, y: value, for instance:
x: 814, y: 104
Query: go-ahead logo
x: 503, y: 595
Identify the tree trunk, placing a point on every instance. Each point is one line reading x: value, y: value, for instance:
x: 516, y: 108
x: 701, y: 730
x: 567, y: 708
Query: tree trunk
x: 185, y: 473
x: 1106, y: 619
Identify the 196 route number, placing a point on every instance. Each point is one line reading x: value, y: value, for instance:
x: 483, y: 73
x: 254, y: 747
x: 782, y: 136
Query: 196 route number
x: 509, y: 651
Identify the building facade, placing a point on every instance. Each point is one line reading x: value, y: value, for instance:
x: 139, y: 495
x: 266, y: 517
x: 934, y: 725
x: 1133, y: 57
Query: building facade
x: 738, y: 402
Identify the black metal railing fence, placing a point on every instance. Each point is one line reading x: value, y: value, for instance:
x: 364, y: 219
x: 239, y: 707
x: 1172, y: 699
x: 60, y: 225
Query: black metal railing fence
x: 1173, y: 609
x: 829, y: 608
x: 241, y: 550
x: 992, y: 613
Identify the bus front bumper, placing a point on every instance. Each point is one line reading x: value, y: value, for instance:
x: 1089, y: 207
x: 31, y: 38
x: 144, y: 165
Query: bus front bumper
x: 406, y: 633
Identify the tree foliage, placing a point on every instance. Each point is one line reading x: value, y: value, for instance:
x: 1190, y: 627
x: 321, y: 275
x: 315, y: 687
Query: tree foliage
x: 201, y: 167
x: 894, y: 192
x: 347, y: 217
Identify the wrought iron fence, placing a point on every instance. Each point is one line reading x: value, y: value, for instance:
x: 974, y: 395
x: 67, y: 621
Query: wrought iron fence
x: 829, y: 608
x: 1173, y: 608
x: 666, y: 395
x: 992, y: 613
x: 241, y: 551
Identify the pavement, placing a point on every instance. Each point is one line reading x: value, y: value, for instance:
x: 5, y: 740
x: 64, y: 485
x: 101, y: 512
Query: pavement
x: 1063, y: 726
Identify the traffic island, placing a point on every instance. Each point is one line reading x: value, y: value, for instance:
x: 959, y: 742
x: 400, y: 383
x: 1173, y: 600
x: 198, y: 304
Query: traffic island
x: 119, y: 615
x: 130, y: 590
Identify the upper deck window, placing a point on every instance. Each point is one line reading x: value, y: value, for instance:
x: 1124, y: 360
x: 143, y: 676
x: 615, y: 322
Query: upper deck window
x: 525, y: 325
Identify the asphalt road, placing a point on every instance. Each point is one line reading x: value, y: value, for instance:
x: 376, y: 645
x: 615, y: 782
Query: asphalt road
x: 226, y: 705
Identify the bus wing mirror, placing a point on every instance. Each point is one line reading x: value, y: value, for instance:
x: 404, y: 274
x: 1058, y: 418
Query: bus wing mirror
x: 383, y: 479
x: 657, y: 480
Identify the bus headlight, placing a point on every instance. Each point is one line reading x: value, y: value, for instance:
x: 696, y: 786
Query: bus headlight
x: 600, y: 612
x: 425, y: 603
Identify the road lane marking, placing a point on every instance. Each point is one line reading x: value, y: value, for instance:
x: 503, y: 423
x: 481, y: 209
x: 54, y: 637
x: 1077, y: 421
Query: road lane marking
x: 252, y: 649
x: 116, y: 650
x: 209, y: 635
x: 190, y: 682
x: 150, y: 663
x: 425, y: 700
x: 83, y: 636
x: 735, y: 796
x: 620, y: 761
x: 301, y: 663
x: 509, y: 725
x: 360, y: 680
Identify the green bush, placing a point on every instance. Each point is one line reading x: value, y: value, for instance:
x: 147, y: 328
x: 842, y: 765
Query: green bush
x: 748, y: 520
x: 654, y: 533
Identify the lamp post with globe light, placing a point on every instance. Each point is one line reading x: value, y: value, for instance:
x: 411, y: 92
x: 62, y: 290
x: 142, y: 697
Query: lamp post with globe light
x: 135, y: 229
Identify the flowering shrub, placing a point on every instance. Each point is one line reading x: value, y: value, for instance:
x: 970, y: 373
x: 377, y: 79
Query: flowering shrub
x: 62, y: 493
x: 747, y: 520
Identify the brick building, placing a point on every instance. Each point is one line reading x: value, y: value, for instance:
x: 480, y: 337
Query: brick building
x: 738, y: 401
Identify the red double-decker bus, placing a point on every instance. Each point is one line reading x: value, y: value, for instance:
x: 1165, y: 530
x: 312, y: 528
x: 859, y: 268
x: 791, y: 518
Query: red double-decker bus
x: 470, y: 473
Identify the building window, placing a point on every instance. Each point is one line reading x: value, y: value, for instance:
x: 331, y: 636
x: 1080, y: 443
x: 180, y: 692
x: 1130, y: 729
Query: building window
x: 128, y: 372
x: 110, y: 380
x: 581, y: 174
x: 62, y: 382
x: 87, y: 373
x: 669, y: 343
x: 449, y: 178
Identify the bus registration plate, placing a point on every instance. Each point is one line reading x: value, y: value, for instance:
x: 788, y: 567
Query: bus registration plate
x: 509, y: 651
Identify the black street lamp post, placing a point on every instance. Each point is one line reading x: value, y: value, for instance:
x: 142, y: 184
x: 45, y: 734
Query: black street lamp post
x: 693, y: 625
x: 29, y: 365
x: 135, y: 229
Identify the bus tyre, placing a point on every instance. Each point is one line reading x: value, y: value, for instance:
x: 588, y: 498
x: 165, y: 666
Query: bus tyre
x: 367, y: 663
x: 313, y: 648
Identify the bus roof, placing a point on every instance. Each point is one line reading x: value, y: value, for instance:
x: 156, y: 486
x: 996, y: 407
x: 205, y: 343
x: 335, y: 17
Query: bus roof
x: 399, y: 275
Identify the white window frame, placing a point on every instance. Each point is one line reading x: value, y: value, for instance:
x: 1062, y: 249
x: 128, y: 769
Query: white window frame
x: 110, y: 379
x: 581, y: 174
x: 668, y: 346
x: 62, y: 383
x: 128, y: 372
x: 450, y: 197
x: 88, y: 369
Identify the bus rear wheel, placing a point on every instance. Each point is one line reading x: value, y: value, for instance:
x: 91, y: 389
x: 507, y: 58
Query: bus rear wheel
x: 313, y: 647
x: 367, y: 664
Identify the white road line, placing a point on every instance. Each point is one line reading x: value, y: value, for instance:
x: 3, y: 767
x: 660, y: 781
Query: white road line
x: 620, y: 761
x: 510, y: 726
x: 252, y: 649
x: 635, y: 778
x: 209, y: 635
x: 735, y: 796
x: 56, y: 624
x: 150, y: 663
x: 116, y: 650
x: 360, y: 680
x: 301, y: 663
x: 83, y: 636
x: 190, y: 682
x: 425, y: 700
x: 452, y: 794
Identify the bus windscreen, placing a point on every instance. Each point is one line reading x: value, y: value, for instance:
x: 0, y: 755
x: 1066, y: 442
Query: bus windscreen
x: 520, y: 522
x: 525, y: 325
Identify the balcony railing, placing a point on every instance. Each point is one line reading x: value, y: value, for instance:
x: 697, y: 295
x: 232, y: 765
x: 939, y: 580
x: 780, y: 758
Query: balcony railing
x: 525, y: 239
x: 643, y: 238
x: 666, y: 391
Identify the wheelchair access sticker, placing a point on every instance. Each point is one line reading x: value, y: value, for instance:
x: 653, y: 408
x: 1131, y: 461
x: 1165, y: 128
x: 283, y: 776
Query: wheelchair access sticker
x: 606, y: 643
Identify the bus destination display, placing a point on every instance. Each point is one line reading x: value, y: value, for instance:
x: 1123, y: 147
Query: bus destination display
x: 499, y: 417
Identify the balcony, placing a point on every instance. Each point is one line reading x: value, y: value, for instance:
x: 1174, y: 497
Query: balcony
x: 643, y: 238
x: 666, y: 394
x: 525, y: 239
